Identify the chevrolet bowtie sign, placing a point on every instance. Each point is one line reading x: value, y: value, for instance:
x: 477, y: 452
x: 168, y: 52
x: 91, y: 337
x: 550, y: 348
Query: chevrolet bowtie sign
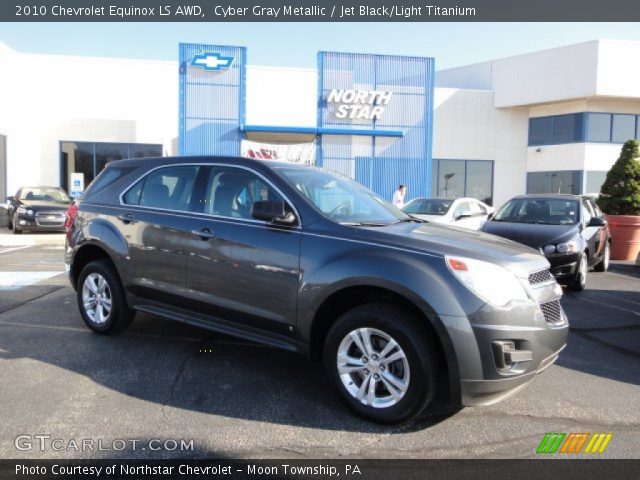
x: 211, y: 62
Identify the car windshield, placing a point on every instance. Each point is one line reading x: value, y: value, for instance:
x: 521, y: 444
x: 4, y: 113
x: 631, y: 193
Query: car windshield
x: 45, y: 194
x: 342, y: 199
x: 545, y: 211
x: 428, y: 206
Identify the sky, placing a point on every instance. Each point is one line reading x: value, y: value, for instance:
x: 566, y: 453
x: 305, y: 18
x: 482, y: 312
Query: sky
x: 296, y: 44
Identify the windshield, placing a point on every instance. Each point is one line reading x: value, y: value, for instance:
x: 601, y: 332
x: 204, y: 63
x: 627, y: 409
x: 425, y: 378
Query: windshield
x: 44, y: 194
x: 546, y: 211
x: 429, y: 206
x: 342, y: 199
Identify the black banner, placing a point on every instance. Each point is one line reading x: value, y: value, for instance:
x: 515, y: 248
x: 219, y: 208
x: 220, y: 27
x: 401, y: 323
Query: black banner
x: 317, y: 469
x: 319, y: 11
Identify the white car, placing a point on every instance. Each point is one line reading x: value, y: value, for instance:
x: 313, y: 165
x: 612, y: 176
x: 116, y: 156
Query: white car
x: 462, y: 212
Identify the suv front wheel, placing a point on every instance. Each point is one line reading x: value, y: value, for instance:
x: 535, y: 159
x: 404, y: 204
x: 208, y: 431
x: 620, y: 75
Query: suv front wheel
x: 101, y: 298
x: 382, y: 362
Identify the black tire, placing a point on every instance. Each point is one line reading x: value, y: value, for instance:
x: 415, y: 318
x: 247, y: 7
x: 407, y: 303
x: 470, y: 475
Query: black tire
x: 603, y: 265
x: 412, y: 338
x: 15, y: 228
x: 120, y: 315
x: 579, y: 281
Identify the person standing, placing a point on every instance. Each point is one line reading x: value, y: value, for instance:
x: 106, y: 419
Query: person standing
x: 398, y: 196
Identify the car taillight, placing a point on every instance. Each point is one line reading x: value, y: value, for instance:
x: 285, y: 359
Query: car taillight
x: 70, y: 215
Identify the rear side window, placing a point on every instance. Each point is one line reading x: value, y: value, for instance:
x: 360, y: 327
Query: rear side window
x: 107, y: 177
x: 170, y: 188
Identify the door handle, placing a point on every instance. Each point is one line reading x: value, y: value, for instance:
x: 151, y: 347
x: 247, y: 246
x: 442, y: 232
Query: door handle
x: 127, y: 218
x: 203, y: 233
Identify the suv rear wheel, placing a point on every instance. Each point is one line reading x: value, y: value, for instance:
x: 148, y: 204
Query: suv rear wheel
x: 101, y: 298
x: 382, y: 362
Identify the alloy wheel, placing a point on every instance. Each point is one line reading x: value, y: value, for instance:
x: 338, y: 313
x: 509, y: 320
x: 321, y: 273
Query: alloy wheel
x: 373, y: 367
x: 96, y: 298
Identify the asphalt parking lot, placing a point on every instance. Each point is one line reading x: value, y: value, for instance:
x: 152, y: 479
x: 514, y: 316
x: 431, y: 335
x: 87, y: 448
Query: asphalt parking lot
x: 162, y: 380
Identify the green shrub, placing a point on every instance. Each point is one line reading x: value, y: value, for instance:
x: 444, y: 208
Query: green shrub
x: 620, y: 193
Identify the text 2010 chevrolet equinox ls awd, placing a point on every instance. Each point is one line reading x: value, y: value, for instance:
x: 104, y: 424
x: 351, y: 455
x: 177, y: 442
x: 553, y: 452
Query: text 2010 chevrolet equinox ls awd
x: 300, y: 258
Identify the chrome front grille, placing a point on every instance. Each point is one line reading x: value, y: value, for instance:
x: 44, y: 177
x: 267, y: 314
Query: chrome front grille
x: 552, y: 312
x: 540, y: 277
x: 50, y: 219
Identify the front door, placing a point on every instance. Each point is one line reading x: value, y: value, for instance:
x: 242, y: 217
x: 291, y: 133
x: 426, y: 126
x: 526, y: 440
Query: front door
x: 241, y: 268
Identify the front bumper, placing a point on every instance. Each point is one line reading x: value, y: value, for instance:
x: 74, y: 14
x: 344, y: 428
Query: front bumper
x: 564, y: 267
x: 536, y: 331
x: 40, y: 222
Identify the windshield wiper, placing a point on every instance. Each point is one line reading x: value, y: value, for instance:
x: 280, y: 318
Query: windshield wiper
x: 410, y: 219
x: 364, y: 224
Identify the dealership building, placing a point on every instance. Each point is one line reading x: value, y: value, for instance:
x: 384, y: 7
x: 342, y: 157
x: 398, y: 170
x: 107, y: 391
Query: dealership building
x: 548, y: 121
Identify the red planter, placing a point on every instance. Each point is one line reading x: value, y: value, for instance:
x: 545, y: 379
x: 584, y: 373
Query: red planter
x: 625, y: 236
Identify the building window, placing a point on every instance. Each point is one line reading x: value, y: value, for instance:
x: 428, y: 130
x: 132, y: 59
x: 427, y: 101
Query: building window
x: 464, y: 178
x: 624, y: 128
x: 583, y: 127
x: 594, y: 181
x: 568, y: 128
x: 540, y: 131
x: 598, y: 127
x: 90, y: 158
x: 567, y: 181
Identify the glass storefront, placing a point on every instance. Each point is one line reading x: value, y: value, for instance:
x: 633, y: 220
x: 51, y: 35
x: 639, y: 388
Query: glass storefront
x: 89, y: 158
x: 567, y: 181
x: 464, y: 178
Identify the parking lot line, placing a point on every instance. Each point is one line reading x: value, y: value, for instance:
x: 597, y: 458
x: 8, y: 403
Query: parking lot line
x: 13, y: 249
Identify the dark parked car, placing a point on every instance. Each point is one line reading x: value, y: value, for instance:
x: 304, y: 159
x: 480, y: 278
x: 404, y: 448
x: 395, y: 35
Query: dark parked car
x: 296, y: 257
x: 570, y: 230
x: 38, y: 208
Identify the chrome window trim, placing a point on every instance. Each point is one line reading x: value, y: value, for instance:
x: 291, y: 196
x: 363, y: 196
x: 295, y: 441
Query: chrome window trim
x: 187, y: 212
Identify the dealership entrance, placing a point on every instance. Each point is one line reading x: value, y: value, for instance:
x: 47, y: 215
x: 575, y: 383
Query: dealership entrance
x: 89, y: 158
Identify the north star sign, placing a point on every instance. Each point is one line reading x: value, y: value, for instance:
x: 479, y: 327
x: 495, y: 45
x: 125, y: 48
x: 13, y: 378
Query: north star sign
x: 211, y: 62
x: 359, y: 104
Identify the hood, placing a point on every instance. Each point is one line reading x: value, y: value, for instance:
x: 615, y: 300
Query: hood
x: 442, y: 239
x: 534, y: 235
x: 39, y: 205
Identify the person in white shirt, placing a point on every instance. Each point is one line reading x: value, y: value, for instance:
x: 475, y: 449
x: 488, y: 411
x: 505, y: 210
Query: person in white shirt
x: 398, y: 196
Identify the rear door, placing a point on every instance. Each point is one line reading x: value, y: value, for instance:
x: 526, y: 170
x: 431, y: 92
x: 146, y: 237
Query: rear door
x: 155, y: 219
x: 241, y: 268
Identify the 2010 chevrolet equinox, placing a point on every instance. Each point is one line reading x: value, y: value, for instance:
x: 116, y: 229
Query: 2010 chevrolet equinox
x: 307, y: 260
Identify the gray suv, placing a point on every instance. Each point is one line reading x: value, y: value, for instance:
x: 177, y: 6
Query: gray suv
x: 399, y: 310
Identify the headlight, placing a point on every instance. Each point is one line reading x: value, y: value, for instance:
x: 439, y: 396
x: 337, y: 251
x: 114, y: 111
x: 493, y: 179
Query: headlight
x: 567, y: 247
x: 21, y: 210
x: 492, y: 283
x: 549, y: 249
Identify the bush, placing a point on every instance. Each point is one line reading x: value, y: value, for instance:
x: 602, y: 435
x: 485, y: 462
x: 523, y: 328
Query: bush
x: 620, y: 193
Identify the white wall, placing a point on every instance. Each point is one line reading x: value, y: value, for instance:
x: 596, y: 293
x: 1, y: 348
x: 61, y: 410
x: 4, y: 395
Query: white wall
x: 49, y: 98
x: 467, y: 126
x: 281, y: 96
x: 579, y: 71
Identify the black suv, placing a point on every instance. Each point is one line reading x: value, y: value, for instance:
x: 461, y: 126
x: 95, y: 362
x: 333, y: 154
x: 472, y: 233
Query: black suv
x: 399, y: 310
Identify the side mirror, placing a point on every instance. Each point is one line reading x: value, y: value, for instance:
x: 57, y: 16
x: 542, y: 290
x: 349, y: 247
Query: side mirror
x: 272, y: 211
x: 597, y: 222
